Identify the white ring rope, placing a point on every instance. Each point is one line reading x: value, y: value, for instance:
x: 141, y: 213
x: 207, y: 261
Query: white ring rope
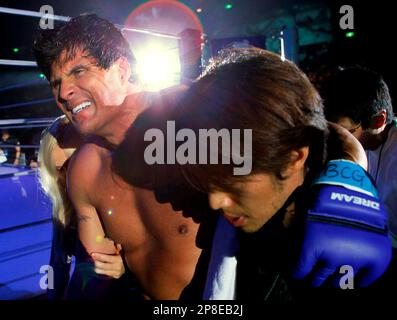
x: 25, y: 123
x: 35, y: 14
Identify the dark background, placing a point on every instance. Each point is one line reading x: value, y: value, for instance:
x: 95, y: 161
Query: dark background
x: 320, y: 46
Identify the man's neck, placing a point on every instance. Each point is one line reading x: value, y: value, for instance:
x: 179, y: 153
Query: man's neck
x: 385, y: 133
x: 377, y: 140
x: 123, y: 118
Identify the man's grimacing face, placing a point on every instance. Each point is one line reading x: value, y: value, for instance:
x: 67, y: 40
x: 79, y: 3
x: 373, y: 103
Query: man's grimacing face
x: 259, y: 197
x: 84, y: 91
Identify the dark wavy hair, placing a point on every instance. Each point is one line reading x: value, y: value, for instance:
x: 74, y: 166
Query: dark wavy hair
x: 99, y: 37
x: 255, y: 89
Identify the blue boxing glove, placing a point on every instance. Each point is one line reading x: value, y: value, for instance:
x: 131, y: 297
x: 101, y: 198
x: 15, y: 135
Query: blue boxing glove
x: 346, y: 225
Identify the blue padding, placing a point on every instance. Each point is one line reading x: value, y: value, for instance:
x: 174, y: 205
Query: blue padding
x: 25, y: 234
x: 349, y: 175
x: 22, y: 201
x: 333, y: 202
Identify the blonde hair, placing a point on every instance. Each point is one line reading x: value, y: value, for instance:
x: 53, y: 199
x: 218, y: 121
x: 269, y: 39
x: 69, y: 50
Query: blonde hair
x: 48, y: 174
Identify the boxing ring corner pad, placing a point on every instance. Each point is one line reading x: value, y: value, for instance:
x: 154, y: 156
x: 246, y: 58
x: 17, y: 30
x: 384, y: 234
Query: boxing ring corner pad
x: 25, y: 233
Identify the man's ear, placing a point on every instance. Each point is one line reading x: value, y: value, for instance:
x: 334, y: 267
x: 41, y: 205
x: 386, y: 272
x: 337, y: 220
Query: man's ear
x: 378, y: 123
x: 124, y: 70
x: 297, y: 162
x: 378, y: 120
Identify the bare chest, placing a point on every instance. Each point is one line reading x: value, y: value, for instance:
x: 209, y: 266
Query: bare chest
x: 134, y: 218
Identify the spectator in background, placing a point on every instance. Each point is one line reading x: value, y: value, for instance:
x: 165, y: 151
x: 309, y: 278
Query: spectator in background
x: 33, y: 164
x: 359, y: 100
x: 287, y: 137
x: 31, y: 154
x: 13, y: 151
x: 3, y: 158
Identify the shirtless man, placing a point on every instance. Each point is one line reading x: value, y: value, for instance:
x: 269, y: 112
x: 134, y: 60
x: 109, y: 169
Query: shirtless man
x: 89, y: 66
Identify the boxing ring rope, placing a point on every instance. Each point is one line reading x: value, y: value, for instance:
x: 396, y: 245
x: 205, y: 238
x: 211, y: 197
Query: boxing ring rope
x: 31, y: 211
x: 44, y: 122
x: 47, y: 14
x: 12, y: 175
x: 8, y: 172
x: 25, y: 63
x: 35, y: 14
x: 25, y: 123
x: 24, y: 104
x: 28, y: 13
x: 32, y: 146
x: 22, y: 121
x: 19, y: 63
x: 22, y: 85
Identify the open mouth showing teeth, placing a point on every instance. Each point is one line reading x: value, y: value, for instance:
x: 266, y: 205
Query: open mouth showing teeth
x: 80, y: 107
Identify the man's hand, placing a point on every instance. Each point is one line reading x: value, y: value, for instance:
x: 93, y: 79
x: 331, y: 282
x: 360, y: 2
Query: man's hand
x: 108, y: 264
x: 346, y: 225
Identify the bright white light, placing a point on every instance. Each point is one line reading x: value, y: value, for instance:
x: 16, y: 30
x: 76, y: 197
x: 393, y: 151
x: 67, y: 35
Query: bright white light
x: 158, y: 66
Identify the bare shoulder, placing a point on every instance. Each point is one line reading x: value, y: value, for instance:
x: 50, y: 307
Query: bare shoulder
x: 342, y: 144
x: 88, y: 152
x: 85, y: 163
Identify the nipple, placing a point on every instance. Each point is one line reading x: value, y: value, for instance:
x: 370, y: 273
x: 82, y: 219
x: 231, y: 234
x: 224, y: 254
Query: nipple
x: 182, y: 229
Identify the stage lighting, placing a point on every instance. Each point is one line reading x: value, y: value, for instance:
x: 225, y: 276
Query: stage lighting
x: 166, y: 52
x: 158, y: 67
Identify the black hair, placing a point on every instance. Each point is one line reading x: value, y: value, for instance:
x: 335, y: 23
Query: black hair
x: 99, y: 37
x: 255, y: 89
x: 357, y: 93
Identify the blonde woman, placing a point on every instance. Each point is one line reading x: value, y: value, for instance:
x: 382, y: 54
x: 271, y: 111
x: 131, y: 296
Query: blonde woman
x: 85, y: 283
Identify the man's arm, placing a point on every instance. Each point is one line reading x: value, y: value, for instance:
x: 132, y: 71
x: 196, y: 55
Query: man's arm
x: 336, y: 221
x: 80, y: 181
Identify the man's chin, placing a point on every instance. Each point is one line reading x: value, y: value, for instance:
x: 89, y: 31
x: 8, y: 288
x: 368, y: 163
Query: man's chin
x: 250, y: 228
x: 83, y: 129
x: 76, y: 124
